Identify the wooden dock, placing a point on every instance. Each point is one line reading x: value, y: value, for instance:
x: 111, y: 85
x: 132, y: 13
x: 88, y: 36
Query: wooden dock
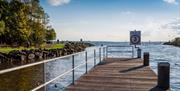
x: 117, y: 74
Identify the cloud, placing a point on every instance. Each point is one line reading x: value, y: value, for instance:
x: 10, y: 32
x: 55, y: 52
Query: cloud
x: 171, y: 1
x: 146, y: 33
x: 173, y: 26
x: 58, y: 2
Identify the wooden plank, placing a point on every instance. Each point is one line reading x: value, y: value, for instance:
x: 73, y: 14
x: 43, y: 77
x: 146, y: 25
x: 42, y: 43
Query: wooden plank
x: 117, y: 74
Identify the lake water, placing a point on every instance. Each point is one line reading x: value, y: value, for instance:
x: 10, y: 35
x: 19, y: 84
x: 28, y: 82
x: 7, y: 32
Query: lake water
x: 160, y: 53
x: 29, y: 78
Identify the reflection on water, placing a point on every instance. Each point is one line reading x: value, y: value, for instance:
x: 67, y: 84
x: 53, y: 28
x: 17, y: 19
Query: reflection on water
x: 31, y: 77
x: 60, y: 66
x: 22, y: 80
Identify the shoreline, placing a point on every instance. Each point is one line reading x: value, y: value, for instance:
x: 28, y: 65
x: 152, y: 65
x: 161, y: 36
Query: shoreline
x: 171, y: 43
x: 33, y: 55
x: 174, y: 42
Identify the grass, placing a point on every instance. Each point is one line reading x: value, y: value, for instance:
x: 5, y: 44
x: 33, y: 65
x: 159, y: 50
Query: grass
x: 45, y: 46
x: 9, y: 49
x: 55, y: 46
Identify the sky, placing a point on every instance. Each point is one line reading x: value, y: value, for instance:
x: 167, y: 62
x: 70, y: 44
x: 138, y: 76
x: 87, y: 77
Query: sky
x: 112, y: 20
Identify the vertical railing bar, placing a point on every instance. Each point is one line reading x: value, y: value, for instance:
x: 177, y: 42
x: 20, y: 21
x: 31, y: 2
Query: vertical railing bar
x: 103, y: 53
x: 73, y: 69
x: 132, y: 52
x: 107, y: 52
x: 94, y: 57
x: 100, y: 54
x: 86, y: 60
x: 45, y: 76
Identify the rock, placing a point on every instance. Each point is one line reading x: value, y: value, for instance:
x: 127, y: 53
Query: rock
x: 16, y: 55
x: 38, y: 55
x: 31, y: 56
x: 23, y: 58
x: 45, y: 55
x: 23, y: 55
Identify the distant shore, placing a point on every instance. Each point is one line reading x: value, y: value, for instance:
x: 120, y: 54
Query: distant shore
x: 174, y: 42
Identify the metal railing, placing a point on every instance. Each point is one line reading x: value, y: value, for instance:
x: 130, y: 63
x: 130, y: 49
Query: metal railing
x: 102, y: 51
x: 119, y: 51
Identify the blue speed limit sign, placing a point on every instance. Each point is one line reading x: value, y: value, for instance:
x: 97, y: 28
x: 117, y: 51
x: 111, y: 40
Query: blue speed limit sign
x: 135, y: 37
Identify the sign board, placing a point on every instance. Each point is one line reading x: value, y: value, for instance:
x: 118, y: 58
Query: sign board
x: 135, y: 37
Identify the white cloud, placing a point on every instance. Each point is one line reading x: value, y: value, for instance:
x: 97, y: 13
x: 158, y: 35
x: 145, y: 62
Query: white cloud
x: 171, y: 1
x: 58, y: 2
x: 154, y: 29
x: 173, y: 26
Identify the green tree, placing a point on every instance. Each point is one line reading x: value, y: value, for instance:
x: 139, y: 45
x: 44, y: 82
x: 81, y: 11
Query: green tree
x: 23, y: 21
x: 38, y: 34
x: 2, y: 27
x: 50, y: 34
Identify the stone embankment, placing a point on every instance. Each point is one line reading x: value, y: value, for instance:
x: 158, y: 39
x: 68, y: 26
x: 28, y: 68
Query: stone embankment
x: 26, y: 56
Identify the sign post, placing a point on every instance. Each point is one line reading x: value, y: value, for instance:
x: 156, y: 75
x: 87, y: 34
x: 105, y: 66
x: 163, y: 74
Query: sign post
x: 135, y: 39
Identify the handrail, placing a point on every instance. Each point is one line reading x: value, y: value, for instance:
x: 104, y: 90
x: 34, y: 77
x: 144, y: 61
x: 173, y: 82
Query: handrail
x: 111, y: 51
x: 118, y: 46
x: 120, y: 51
x: 46, y: 83
x: 86, y: 61
x: 54, y: 59
x: 36, y: 63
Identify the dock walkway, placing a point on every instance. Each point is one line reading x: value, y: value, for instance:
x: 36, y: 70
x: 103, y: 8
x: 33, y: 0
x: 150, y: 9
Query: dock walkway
x: 117, y: 74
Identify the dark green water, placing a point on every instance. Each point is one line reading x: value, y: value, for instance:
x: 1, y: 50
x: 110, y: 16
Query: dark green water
x: 22, y: 80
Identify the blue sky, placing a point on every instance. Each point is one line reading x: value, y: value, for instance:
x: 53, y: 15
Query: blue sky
x: 111, y: 20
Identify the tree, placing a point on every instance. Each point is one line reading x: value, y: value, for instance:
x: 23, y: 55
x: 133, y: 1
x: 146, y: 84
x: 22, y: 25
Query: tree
x: 38, y: 34
x: 23, y: 21
x: 4, y: 10
x: 2, y: 27
x: 50, y: 34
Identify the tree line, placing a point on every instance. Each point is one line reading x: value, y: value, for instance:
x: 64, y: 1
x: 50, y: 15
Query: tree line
x: 175, y: 42
x: 24, y: 22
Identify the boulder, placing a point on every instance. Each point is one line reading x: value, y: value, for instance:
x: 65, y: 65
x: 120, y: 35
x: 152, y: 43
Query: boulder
x: 31, y: 56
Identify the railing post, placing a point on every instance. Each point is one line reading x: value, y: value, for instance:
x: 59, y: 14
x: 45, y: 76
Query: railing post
x: 73, y: 69
x: 94, y: 57
x: 138, y: 53
x: 132, y: 51
x: 163, y: 75
x: 146, y: 58
x: 86, y: 60
x: 100, y: 54
x: 106, y: 51
x: 103, y: 53
x: 44, y: 64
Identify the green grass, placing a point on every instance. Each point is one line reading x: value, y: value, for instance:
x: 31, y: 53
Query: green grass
x: 9, y: 49
x: 55, y: 46
x: 46, y: 46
